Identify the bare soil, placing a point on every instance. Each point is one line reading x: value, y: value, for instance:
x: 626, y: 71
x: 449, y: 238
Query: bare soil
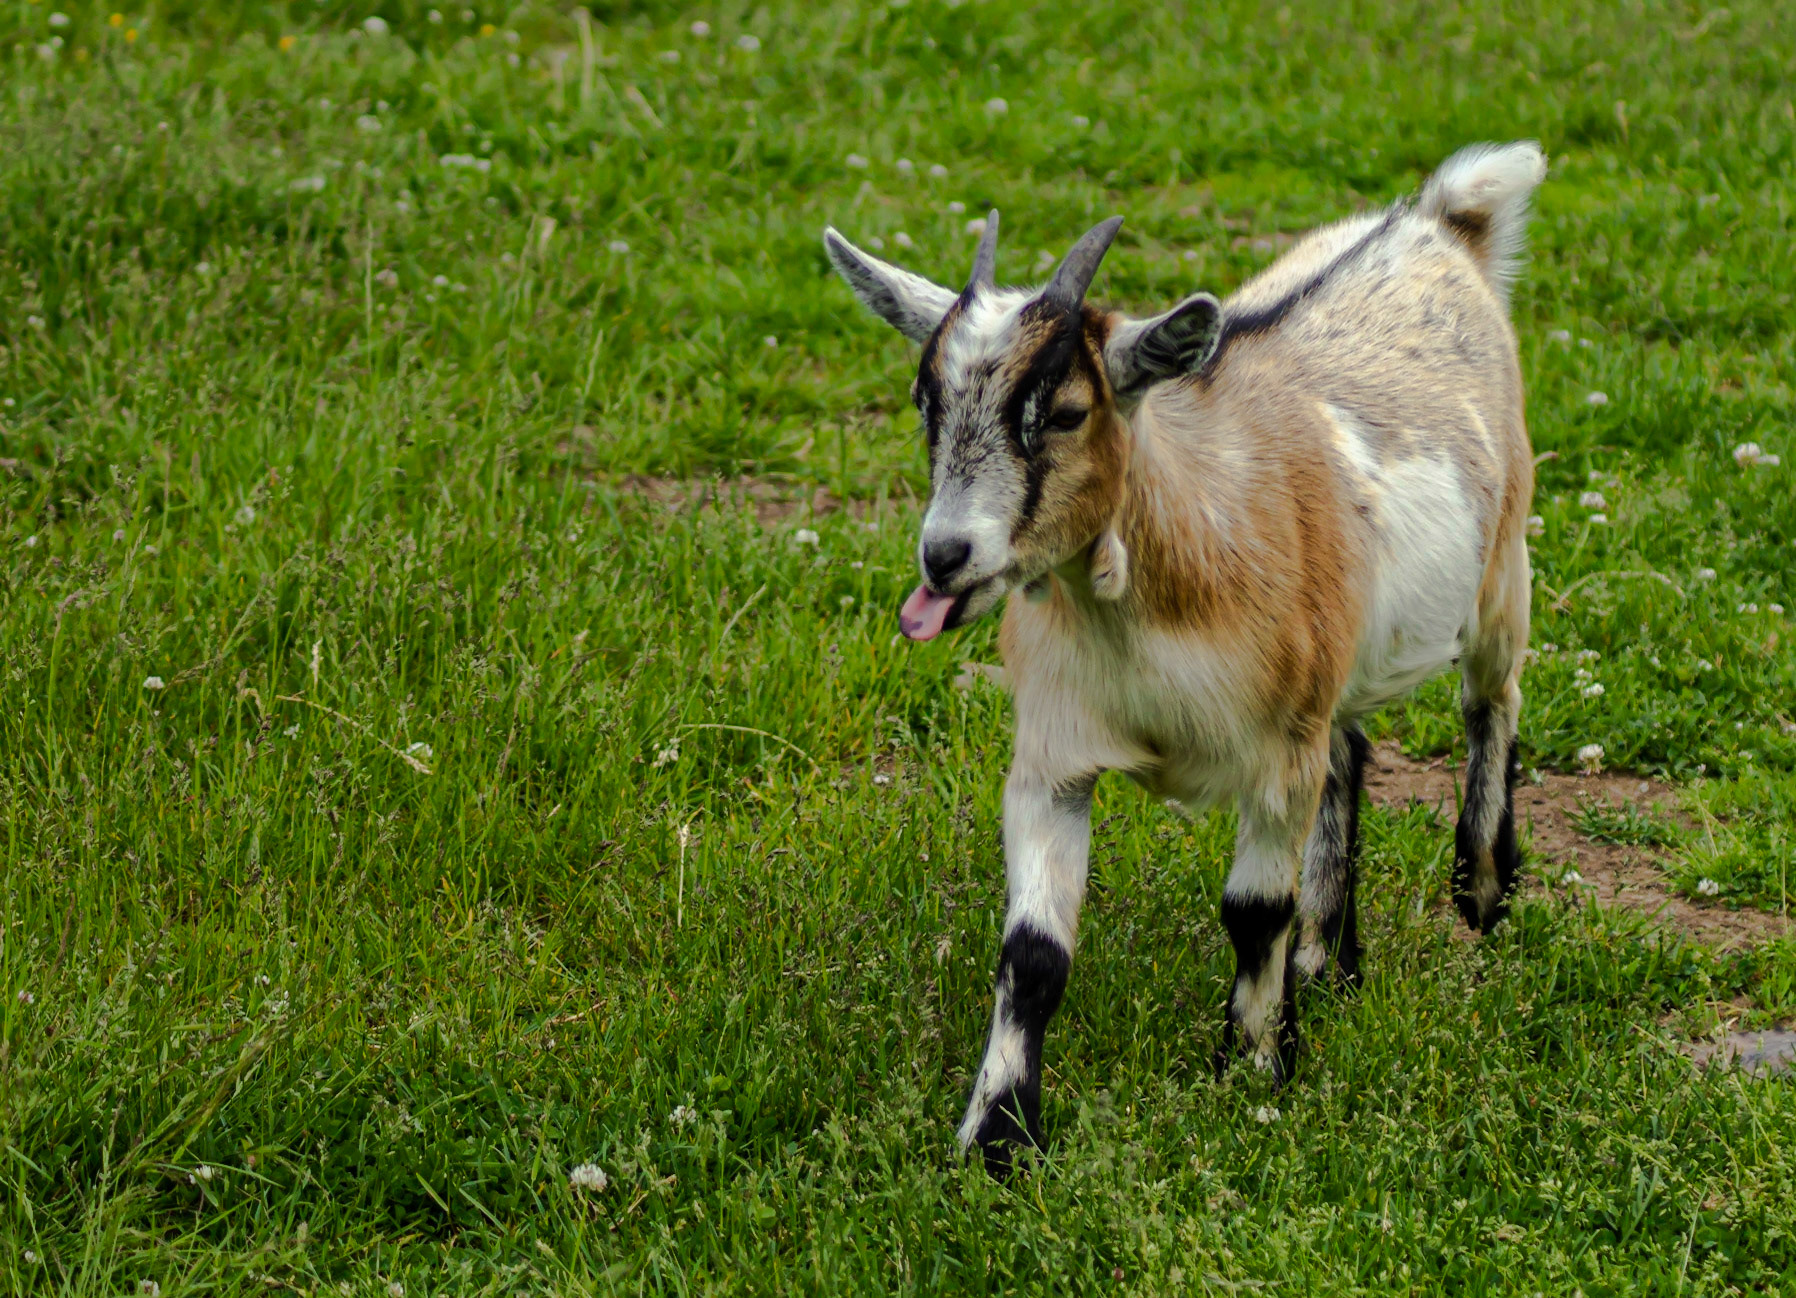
x: 1546, y: 817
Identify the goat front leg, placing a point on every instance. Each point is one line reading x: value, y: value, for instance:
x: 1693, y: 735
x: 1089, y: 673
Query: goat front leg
x: 1259, y: 906
x: 1047, y: 840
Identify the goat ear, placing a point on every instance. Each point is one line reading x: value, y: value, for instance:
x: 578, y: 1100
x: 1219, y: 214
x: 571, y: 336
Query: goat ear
x: 909, y: 303
x: 1179, y: 341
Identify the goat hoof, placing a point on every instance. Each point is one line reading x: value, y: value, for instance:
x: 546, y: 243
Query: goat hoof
x: 1001, y: 1138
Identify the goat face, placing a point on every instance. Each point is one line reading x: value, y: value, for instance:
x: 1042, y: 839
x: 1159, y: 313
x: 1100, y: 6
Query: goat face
x: 1018, y: 392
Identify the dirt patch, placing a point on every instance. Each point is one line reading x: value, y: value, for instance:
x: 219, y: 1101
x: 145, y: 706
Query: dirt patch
x: 774, y: 501
x: 1761, y: 1054
x: 1547, y: 817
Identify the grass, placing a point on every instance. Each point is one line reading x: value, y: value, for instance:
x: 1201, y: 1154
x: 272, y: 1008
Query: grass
x: 489, y: 811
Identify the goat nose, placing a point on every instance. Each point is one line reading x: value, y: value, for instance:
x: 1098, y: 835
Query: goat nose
x: 942, y: 559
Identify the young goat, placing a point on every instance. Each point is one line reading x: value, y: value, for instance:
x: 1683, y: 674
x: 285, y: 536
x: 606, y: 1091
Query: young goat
x: 1238, y: 527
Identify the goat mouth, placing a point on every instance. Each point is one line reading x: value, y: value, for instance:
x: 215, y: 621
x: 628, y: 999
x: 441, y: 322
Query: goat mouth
x: 927, y: 612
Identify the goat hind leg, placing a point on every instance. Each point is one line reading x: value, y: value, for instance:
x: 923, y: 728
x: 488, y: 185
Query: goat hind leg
x: 1328, y: 913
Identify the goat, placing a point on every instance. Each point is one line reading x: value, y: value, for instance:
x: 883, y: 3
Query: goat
x: 1238, y: 527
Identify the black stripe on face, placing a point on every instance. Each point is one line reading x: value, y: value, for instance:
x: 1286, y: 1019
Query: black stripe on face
x: 927, y: 391
x: 1034, y: 394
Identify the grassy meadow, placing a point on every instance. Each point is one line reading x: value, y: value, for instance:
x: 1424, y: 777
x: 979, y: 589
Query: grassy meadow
x: 413, y: 791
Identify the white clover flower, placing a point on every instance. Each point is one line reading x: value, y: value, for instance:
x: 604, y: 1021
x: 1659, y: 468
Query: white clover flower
x: 1708, y: 887
x: 1590, y: 758
x: 149, y: 1287
x: 1586, y: 656
x: 1748, y: 453
x: 1537, y: 526
x: 938, y: 172
x: 59, y: 20
x: 664, y: 756
x: 1747, y: 608
x: 700, y: 29
x: 1559, y: 335
x: 35, y: 321
x: 1592, y: 500
x: 27, y: 998
x: 905, y: 165
x: 1778, y: 609
x: 1704, y: 665
x: 856, y: 161
x: 882, y: 780
x: 956, y: 207
x: 618, y: 246
x: 308, y: 185
x: 204, y: 1172
x: 682, y: 1116
x: 1599, y: 520
x: 1266, y: 1113
x: 395, y: 1290
x: 152, y: 683
x: 589, y: 1176
x: 1081, y: 121
x: 388, y: 278
x: 441, y: 281
x: 46, y: 52
x: 368, y: 122
x: 31, y: 542
x: 375, y: 25
x: 902, y: 239
x: 1597, y: 399
x: 1571, y: 878
x: 420, y: 749
x: 805, y: 536
x: 876, y: 243
x: 770, y: 341
x: 1594, y: 691
x: 976, y: 225
x: 245, y: 515
x: 748, y: 42
x: 434, y: 17
x: 666, y: 56
x: 1704, y: 574
x: 30, y: 1258
x: 996, y: 107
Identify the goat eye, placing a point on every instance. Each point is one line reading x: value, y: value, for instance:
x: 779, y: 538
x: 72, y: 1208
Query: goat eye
x: 1067, y: 419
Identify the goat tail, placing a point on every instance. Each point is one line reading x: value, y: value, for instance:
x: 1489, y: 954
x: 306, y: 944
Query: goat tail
x: 1481, y: 194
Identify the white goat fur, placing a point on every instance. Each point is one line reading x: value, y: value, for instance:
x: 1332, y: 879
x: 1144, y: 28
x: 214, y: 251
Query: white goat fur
x: 1320, y: 505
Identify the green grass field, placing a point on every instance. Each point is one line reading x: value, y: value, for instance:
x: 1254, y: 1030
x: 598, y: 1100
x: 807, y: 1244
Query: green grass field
x: 400, y: 807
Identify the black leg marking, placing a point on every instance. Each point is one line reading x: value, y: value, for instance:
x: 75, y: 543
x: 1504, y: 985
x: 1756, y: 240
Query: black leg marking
x: 1254, y: 925
x: 1340, y: 929
x: 1032, y: 973
x: 1485, y: 856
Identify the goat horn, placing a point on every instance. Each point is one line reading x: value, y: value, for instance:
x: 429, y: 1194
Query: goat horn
x: 1075, y: 273
x: 985, y: 260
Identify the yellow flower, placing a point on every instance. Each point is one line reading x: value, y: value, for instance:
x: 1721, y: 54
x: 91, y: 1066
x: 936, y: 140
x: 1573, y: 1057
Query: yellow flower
x: 487, y: 29
x: 130, y: 34
x: 117, y: 20
x: 288, y: 42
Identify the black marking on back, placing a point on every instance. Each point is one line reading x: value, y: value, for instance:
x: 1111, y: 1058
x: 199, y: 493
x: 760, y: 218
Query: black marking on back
x: 1247, y: 323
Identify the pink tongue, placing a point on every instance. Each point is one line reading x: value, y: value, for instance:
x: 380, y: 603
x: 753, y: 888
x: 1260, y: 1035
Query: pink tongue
x: 924, y: 614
